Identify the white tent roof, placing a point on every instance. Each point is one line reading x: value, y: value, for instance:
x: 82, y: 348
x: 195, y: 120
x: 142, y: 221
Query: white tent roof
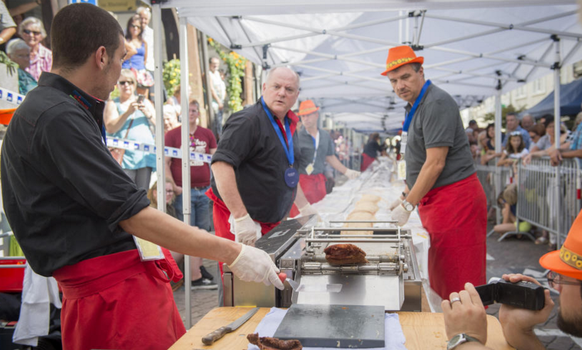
x: 339, y: 47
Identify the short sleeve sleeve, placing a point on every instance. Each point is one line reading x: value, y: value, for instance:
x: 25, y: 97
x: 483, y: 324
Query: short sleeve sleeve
x: 330, y: 146
x: 439, y: 124
x: 237, y: 140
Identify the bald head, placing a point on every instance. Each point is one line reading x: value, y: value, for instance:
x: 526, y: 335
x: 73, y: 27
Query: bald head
x: 280, y: 90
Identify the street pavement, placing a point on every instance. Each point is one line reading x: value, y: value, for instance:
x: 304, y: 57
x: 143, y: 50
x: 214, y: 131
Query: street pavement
x: 509, y: 256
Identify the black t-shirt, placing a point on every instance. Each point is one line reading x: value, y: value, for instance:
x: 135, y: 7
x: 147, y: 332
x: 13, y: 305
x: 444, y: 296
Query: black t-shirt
x: 250, y: 144
x: 372, y: 148
x: 64, y: 194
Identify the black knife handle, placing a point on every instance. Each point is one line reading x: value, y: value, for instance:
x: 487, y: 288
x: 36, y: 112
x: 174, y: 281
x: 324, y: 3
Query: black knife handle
x: 214, y: 336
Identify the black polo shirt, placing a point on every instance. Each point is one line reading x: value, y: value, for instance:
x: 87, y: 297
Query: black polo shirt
x: 250, y: 144
x: 64, y: 195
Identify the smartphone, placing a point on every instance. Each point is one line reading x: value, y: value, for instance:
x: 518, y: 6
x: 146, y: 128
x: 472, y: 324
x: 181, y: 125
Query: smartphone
x: 140, y: 98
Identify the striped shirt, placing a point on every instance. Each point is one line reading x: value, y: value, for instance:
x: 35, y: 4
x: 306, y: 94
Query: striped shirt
x: 43, y: 62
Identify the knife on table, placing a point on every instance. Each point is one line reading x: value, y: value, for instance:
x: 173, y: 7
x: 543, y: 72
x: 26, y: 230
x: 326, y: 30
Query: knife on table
x: 220, y: 332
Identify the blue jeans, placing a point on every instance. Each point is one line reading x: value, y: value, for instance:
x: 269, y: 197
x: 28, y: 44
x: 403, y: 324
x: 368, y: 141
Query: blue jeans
x: 199, y: 216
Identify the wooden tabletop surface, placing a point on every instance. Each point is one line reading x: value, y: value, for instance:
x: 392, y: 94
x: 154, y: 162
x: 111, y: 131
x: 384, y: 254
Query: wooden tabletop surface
x: 423, y: 330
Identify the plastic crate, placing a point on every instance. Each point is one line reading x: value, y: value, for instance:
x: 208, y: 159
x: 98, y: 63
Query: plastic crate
x: 11, y: 278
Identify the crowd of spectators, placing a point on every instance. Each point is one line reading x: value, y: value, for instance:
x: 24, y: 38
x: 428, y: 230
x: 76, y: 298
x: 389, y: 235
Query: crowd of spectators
x: 523, y: 140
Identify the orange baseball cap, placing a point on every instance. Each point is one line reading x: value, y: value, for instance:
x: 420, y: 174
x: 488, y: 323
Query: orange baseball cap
x: 307, y: 107
x: 399, y: 56
x: 568, y: 260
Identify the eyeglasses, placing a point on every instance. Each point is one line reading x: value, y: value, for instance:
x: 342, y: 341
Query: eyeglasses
x: 169, y: 192
x: 135, y: 26
x: 125, y: 83
x: 28, y: 31
x: 556, y: 278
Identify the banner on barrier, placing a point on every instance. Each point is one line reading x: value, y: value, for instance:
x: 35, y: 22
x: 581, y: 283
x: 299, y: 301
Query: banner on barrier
x: 149, y: 148
x: 11, y: 97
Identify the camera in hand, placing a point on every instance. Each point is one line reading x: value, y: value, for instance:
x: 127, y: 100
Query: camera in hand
x: 140, y: 98
x: 524, y: 295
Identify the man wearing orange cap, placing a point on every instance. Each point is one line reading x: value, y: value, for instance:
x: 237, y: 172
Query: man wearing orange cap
x: 465, y: 315
x: 440, y: 177
x: 317, y: 147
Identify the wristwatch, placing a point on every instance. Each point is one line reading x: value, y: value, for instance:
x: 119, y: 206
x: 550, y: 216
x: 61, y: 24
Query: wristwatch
x: 407, y: 206
x: 460, y: 339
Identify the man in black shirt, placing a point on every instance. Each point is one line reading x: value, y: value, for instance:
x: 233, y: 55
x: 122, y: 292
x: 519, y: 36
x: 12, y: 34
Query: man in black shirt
x: 74, y: 211
x: 255, y: 168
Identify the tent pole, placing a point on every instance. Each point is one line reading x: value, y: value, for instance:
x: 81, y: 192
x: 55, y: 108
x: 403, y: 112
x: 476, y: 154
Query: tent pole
x: 186, y: 202
x: 158, y: 99
x: 205, y: 66
x: 498, y: 148
x: 557, y: 128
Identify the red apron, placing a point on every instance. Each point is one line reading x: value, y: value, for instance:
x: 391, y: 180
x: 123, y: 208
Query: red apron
x: 313, y: 187
x: 366, y: 161
x: 118, y: 302
x: 455, y: 216
x: 220, y: 216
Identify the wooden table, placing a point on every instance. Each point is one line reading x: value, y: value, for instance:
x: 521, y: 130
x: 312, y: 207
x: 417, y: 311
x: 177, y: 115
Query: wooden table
x: 423, y: 330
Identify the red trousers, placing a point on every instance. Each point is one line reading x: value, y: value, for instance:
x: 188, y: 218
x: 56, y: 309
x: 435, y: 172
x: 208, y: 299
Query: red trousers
x: 366, y: 161
x: 313, y: 187
x: 118, y: 302
x: 220, y: 216
x: 455, y: 216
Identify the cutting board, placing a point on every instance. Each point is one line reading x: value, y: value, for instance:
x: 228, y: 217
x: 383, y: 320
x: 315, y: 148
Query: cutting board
x: 337, y: 326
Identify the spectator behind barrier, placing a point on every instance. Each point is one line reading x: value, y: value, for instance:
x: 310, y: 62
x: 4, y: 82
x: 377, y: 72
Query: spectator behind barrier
x: 509, y: 223
x: 546, y: 144
x: 137, y: 62
x: 512, y: 124
x: 571, y: 148
x: 126, y: 118
x: 32, y: 32
x: 490, y: 145
x: 19, y: 52
x: 514, y: 150
x: 170, y: 118
x: 534, y: 134
x: 465, y: 315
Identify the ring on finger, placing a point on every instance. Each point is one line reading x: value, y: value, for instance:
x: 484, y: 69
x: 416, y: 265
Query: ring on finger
x: 455, y: 299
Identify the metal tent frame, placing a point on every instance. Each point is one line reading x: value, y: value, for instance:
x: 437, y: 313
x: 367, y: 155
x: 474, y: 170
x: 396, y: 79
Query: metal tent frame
x: 473, y: 49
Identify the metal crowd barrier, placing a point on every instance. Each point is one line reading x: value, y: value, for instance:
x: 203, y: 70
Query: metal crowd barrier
x: 493, y: 179
x: 546, y: 200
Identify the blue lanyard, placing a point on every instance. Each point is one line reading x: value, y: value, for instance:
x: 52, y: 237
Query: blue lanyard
x: 288, y: 148
x: 410, y: 114
x: 103, y: 134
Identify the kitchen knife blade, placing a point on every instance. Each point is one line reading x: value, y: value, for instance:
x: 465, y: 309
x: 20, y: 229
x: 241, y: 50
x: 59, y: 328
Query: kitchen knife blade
x: 220, y: 332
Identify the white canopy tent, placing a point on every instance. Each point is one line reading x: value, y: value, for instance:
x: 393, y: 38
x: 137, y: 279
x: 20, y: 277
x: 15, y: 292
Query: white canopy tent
x: 473, y: 49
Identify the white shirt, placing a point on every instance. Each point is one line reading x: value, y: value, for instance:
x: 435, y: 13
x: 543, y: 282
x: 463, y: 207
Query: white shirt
x: 148, y: 37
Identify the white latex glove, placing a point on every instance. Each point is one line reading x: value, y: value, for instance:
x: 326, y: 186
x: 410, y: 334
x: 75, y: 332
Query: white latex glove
x: 396, y: 203
x: 352, y: 174
x: 255, y: 265
x: 246, y: 230
x: 308, y: 210
x: 401, y: 215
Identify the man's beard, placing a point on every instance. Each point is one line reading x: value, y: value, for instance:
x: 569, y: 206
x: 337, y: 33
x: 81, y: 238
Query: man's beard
x: 572, y: 327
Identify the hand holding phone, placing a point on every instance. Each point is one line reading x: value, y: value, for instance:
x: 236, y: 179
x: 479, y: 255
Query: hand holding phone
x: 140, y: 98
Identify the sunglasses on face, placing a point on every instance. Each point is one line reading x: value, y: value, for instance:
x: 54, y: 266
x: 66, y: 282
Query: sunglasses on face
x: 135, y: 26
x: 29, y: 32
x: 126, y: 83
